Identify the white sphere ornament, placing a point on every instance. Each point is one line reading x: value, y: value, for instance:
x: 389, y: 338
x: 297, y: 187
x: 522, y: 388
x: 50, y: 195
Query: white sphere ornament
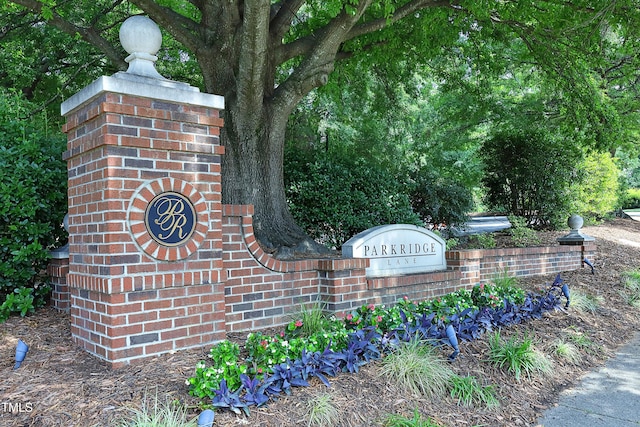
x: 140, y: 34
x: 141, y: 38
x: 575, y: 222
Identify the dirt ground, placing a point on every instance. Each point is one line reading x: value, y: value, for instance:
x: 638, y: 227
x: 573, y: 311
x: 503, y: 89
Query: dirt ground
x: 60, y: 385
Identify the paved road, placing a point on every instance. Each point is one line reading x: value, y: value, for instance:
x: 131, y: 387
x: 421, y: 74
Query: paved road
x: 635, y: 214
x: 609, y: 397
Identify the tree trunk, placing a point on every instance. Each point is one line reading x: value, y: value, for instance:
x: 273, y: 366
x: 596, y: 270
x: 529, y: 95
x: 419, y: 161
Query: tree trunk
x: 252, y: 173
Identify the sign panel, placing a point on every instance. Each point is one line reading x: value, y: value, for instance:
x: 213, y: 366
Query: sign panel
x: 398, y: 249
x: 170, y: 219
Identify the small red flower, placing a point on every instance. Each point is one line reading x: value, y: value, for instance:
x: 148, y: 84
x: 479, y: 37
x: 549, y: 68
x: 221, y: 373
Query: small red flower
x: 349, y: 317
x: 371, y: 307
x: 281, y: 334
x: 259, y: 370
x: 264, y: 343
x: 379, y: 319
x: 298, y: 323
x: 406, y: 298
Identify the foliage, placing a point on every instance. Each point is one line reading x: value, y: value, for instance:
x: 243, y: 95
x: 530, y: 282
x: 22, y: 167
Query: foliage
x: 584, y: 302
x: 156, y: 413
x: 567, y: 351
x: 334, y: 196
x: 564, y: 66
x: 598, y: 192
x: 469, y: 392
x: 32, y: 204
x: 521, y: 235
x: 581, y: 340
x: 485, y: 296
x: 394, y: 420
x: 378, y: 332
x: 440, y: 201
x: 529, y: 173
x: 321, y: 411
x: 22, y: 301
x: 309, y: 321
x: 631, y: 198
x: 225, y: 367
x: 482, y: 241
x: 417, y: 369
x: 631, y: 292
x: 517, y: 356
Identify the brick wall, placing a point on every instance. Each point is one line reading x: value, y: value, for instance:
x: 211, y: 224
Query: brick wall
x: 57, y: 270
x: 261, y: 291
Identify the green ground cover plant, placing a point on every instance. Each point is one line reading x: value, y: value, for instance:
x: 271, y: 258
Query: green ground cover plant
x: 566, y: 351
x: 321, y: 411
x: 581, y: 340
x: 417, y: 369
x: 469, y: 392
x: 521, y: 235
x: 517, y: 356
x: 157, y: 413
x: 273, y: 365
x: 631, y: 292
x: 394, y: 420
x: 585, y: 302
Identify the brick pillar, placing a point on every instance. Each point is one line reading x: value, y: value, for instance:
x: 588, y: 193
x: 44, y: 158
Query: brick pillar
x: 145, y: 217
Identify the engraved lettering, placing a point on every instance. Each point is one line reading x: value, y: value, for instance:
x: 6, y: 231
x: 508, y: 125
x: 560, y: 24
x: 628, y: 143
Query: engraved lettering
x: 171, y: 218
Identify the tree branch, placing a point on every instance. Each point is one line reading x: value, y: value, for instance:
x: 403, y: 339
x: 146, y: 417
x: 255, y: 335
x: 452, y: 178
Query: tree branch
x: 284, y: 16
x: 403, y: 12
x: 88, y: 34
x: 185, y: 30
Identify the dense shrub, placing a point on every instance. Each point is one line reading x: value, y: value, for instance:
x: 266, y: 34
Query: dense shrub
x: 440, y: 201
x: 32, y: 205
x: 631, y: 198
x: 598, y: 192
x: 529, y: 173
x: 334, y: 196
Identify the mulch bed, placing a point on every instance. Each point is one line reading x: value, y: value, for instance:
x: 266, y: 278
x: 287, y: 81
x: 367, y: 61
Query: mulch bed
x: 61, y: 385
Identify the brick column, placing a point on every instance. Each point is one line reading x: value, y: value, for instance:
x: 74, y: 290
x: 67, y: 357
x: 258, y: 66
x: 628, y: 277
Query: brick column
x: 145, y: 217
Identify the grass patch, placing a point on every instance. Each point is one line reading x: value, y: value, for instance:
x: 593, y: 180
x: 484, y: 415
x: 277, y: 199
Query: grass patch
x: 581, y: 340
x: 417, y: 369
x: 401, y: 421
x: 321, y: 411
x: 156, y: 413
x: 518, y: 356
x: 468, y: 392
x: 584, y: 302
x: 314, y: 319
x: 566, y: 351
x: 631, y: 292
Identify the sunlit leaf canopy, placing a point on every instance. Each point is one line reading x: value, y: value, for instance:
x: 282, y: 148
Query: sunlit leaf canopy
x: 572, y: 66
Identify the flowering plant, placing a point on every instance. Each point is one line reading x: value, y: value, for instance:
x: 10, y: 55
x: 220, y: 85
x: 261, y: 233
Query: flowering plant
x: 484, y: 295
x: 225, y: 366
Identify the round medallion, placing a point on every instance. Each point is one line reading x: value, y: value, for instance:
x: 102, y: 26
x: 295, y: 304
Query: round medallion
x: 170, y: 219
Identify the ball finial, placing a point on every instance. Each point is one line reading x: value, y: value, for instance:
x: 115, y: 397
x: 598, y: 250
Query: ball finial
x: 141, y: 38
